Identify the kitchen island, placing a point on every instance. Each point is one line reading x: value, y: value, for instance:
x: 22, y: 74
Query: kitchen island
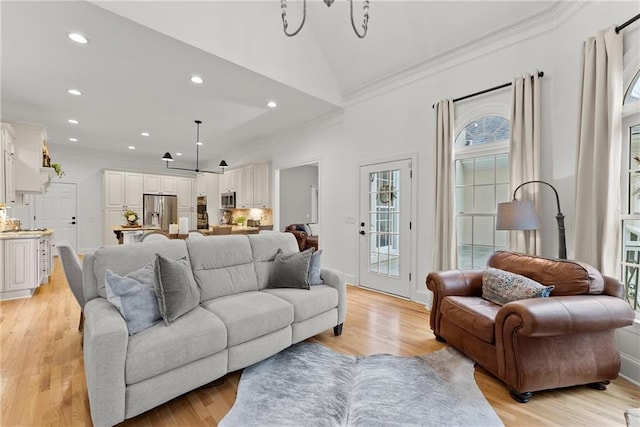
x: 27, y: 262
x: 235, y: 229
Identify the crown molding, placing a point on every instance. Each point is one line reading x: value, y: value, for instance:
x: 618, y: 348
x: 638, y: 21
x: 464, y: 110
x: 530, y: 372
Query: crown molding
x: 529, y: 27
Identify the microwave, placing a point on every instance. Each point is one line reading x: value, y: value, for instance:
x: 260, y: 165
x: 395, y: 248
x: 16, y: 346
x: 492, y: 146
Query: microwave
x: 228, y: 200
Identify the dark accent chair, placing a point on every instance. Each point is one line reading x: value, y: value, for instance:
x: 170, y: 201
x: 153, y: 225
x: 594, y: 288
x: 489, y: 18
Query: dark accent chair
x: 305, y: 241
x: 534, y: 344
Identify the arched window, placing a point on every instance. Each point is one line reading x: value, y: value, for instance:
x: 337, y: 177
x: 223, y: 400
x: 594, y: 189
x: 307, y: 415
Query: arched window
x: 482, y: 181
x: 631, y: 190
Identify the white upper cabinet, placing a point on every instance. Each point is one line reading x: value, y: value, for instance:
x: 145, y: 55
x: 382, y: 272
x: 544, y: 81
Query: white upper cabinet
x: 183, y: 189
x: 168, y: 185
x: 244, y: 192
x: 123, y: 190
x: 261, y: 185
x: 160, y: 184
x: 201, y: 185
x: 7, y: 163
x: 29, y: 143
x: 151, y: 184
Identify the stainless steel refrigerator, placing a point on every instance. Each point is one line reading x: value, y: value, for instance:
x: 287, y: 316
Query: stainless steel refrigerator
x: 159, y: 211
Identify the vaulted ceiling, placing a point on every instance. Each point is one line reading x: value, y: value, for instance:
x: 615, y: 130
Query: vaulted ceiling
x: 134, y: 74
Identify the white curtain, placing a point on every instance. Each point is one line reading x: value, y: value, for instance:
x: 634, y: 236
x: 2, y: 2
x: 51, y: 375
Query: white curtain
x: 597, y: 203
x: 524, y: 153
x: 444, y: 253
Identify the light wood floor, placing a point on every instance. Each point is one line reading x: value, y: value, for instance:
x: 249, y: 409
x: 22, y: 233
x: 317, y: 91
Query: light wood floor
x: 42, y: 377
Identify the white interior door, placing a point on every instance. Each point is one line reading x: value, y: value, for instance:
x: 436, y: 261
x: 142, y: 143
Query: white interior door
x: 385, y: 227
x: 57, y: 209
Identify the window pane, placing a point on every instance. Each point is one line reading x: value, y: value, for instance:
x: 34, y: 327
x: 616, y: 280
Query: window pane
x: 502, y: 193
x: 631, y: 261
x: 633, y: 93
x: 483, y: 230
x: 485, y: 199
x: 464, y: 172
x: 464, y: 199
x: 464, y: 257
x: 502, y: 168
x: 463, y: 225
x: 485, y: 170
x: 485, y: 130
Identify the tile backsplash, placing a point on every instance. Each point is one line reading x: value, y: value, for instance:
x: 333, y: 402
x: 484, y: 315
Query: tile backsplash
x: 265, y: 216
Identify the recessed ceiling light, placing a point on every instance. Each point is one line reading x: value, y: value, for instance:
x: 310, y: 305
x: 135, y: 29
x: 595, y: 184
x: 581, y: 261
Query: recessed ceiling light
x: 197, y: 80
x: 272, y: 104
x: 131, y: 147
x: 178, y: 154
x: 198, y: 142
x: 78, y: 38
x: 145, y: 134
x: 73, y: 139
x: 73, y: 121
x: 75, y: 92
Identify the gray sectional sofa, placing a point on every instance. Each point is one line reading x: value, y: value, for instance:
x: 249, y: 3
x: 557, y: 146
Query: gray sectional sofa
x: 239, y: 321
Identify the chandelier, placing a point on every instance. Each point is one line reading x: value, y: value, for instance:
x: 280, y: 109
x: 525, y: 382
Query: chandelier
x: 365, y: 19
x: 167, y: 156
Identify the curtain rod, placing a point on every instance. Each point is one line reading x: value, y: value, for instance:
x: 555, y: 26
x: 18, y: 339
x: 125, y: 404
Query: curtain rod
x: 626, y: 24
x: 482, y: 92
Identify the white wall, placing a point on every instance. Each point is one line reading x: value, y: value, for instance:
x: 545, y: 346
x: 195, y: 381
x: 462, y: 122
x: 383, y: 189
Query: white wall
x: 295, y: 194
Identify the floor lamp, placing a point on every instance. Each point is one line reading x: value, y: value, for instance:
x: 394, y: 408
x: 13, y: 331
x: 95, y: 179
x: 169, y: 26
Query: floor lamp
x: 521, y: 215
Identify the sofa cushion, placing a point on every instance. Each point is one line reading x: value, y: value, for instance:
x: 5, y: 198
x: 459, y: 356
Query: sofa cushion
x: 176, y: 290
x: 156, y: 350
x: 501, y: 287
x: 134, y: 296
x: 123, y: 259
x: 290, y: 270
x: 264, y: 247
x: 250, y: 315
x: 308, y: 303
x: 222, y: 265
x: 473, y: 314
x: 567, y: 277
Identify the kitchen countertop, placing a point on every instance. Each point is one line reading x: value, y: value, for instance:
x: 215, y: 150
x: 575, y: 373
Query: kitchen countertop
x: 25, y: 234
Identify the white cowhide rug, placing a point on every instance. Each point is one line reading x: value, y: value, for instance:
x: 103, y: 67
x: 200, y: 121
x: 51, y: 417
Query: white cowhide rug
x: 311, y: 385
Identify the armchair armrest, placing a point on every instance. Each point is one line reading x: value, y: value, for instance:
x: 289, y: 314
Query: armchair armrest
x: 448, y: 283
x: 613, y: 287
x: 336, y: 279
x: 105, y: 350
x: 544, y: 317
x: 301, y: 238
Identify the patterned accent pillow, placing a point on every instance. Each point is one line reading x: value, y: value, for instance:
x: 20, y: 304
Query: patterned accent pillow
x: 501, y: 287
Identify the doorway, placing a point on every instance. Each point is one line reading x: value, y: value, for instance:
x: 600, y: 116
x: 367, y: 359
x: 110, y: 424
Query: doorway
x: 57, y: 209
x: 298, y: 195
x: 385, y: 227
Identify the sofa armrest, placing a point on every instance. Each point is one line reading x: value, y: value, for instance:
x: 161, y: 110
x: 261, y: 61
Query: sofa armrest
x: 613, y: 287
x: 544, y: 317
x: 336, y: 279
x: 451, y: 283
x: 105, y: 351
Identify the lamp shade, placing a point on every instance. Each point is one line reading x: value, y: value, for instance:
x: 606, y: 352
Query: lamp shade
x: 167, y: 157
x: 517, y: 215
x: 223, y: 164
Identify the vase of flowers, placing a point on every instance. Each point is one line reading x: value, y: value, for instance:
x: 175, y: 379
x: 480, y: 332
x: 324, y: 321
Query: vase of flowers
x: 131, y: 217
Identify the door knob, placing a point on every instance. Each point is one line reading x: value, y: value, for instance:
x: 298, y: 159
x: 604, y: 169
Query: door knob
x: 72, y: 222
x: 362, y: 232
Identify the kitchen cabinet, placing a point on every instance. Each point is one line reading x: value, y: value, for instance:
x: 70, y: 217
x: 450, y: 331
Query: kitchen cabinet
x: 29, y: 143
x: 123, y: 190
x: 159, y: 184
x: 7, y: 161
x: 244, y: 193
x: 21, y: 261
x: 262, y: 185
x: 46, y: 258
x: 229, y: 181
x: 201, y: 185
x: 252, y: 185
x: 183, y: 191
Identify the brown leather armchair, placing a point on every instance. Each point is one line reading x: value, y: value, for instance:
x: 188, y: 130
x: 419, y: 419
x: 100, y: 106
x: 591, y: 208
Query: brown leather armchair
x: 305, y: 241
x: 540, y: 343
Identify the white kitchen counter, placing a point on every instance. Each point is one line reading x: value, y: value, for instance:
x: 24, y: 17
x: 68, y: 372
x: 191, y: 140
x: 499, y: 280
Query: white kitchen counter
x: 25, y: 234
